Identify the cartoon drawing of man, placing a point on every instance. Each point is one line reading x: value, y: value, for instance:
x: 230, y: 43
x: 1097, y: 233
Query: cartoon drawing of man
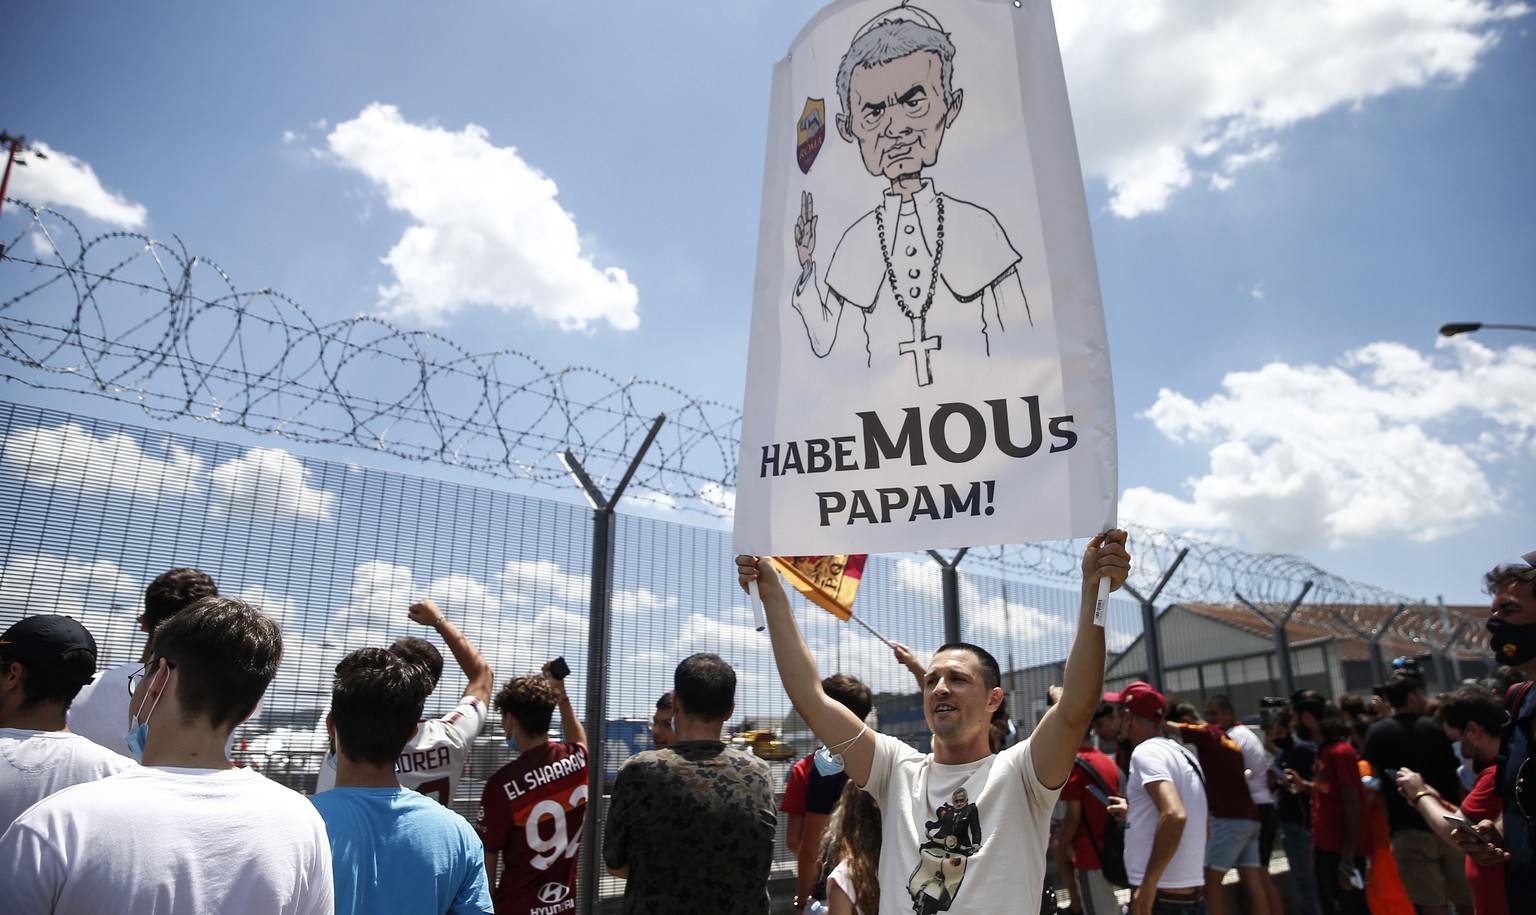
x: 953, y: 836
x: 926, y: 272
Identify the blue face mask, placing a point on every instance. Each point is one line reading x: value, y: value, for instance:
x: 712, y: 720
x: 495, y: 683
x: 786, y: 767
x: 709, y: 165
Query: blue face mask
x: 138, y: 731
x: 830, y: 763
x: 512, y: 743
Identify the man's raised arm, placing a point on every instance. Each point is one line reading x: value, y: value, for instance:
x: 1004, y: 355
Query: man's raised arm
x: 470, y: 660
x: 1061, y: 729
x: 832, y: 722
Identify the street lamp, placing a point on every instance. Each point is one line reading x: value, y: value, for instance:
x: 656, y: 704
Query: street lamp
x: 17, y: 147
x: 1451, y: 330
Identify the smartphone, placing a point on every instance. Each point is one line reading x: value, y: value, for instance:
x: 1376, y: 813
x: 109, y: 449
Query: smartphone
x: 1279, y: 772
x: 1101, y: 797
x: 1464, y: 823
x: 559, y: 669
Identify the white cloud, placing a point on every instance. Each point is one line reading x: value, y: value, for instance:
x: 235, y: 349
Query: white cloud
x: 542, y: 582
x: 642, y: 601
x: 69, y: 457
x: 487, y: 227
x: 1162, y: 89
x: 988, y: 615
x: 106, y: 600
x: 270, y: 483
x: 381, y: 595
x: 1387, y: 442
x: 61, y: 180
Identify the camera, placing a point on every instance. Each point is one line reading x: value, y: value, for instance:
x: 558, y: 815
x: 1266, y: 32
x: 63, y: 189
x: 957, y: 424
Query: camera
x: 1274, y: 702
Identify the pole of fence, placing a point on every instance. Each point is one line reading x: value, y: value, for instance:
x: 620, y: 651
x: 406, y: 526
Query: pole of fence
x: 1282, y: 639
x: 598, y: 614
x: 949, y: 574
x: 1450, y: 638
x: 1372, y: 639
x: 1151, y: 639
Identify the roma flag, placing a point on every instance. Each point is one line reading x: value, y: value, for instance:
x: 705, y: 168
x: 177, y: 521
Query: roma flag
x: 830, y: 582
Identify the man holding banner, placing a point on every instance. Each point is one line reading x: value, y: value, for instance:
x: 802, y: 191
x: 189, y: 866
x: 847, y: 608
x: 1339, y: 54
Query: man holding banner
x: 960, y: 822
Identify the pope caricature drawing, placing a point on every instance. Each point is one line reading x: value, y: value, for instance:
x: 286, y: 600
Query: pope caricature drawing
x: 932, y: 280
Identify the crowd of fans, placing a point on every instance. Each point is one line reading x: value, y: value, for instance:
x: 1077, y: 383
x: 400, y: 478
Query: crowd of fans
x: 1401, y: 802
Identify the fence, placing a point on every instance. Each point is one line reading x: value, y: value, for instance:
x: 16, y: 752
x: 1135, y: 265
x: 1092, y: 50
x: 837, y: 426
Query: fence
x: 336, y: 551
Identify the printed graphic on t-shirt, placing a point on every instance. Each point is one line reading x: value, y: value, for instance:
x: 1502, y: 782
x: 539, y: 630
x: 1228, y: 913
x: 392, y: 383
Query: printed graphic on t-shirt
x: 954, y: 834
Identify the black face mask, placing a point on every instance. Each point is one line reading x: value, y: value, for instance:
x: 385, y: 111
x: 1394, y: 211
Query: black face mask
x: 1511, y: 643
x: 1125, y: 744
x: 1285, y: 743
x: 1302, y: 731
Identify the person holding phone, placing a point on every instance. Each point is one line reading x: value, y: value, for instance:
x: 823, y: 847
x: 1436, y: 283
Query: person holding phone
x: 1472, y: 716
x: 532, y: 809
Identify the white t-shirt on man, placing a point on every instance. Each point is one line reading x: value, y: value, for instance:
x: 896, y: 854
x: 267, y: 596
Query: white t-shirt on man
x: 35, y: 764
x: 100, y: 712
x: 1162, y: 760
x: 170, y: 841
x: 1254, y: 761
x: 433, y: 760
x: 986, y: 856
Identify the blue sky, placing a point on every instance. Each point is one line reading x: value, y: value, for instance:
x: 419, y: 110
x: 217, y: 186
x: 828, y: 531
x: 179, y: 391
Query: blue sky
x: 1288, y: 200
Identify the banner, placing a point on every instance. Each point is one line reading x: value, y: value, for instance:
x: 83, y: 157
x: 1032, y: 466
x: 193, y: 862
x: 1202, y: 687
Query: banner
x: 829, y: 582
x: 928, y: 363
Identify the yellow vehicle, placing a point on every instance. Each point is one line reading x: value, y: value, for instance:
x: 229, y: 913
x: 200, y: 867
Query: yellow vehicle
x: 763, y: 744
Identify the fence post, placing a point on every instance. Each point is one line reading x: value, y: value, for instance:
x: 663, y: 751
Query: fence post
x: 1283, y: 640
x: 1450, y: 638
x: 950, y: 576
x: 1151, y: 639
x: 1373, y: 639
x: 597, y: 655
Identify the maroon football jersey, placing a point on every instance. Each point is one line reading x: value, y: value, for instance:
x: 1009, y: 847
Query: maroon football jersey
x: 531, y: 814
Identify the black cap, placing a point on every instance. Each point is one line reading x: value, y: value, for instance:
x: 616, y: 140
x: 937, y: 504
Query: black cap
x: 42, y: 639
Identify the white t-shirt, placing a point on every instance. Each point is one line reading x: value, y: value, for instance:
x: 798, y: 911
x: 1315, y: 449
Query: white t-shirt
x: 433, y: 759
x: 35, y: 764
x: 1162, y: 760
x: 100, y: 712
x: 997, y: 857
x: 169, y: 841
x: 1254, y: 761
x: 841, y: 879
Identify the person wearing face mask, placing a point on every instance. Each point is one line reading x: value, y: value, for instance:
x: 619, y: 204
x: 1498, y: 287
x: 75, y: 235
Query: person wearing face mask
x: 1293, y: 819
x: 1432, y: 872
x: 1511, y: 837
x: 187, y: 832
x: 1473, y: 717
x: 810, y: 793
x: 532, y: 809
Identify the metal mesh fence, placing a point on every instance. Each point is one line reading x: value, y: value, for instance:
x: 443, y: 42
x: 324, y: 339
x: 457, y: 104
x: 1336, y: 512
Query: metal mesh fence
x: 337, y: 552
x: 91, y: 511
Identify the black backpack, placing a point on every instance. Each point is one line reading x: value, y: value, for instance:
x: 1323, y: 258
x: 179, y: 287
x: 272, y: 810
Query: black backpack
x: 1111, y: 850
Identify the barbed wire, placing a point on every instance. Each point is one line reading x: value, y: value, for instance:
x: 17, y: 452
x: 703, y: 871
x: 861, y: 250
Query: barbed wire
x: 129, y: 318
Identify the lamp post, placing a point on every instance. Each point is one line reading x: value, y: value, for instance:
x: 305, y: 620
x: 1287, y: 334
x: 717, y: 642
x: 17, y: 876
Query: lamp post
x: 1451, y: 330
x: 16, y: 147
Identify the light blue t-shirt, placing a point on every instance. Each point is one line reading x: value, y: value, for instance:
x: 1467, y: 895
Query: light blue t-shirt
x: 393, y: 850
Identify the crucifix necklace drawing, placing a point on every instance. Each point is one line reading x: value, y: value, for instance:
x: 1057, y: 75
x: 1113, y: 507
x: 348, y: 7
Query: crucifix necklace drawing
x: 921, y: 346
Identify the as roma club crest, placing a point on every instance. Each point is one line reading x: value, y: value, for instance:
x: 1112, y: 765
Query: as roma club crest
x: 810, y: 133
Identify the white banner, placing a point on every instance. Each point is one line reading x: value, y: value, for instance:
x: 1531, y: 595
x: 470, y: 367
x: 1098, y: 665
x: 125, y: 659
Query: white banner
x: 928, y: 363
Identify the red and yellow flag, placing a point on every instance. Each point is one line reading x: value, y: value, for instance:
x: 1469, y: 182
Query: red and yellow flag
x: 830, y: 582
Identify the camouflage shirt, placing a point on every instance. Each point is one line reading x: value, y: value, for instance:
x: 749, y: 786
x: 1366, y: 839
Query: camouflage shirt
x: 695, y: 825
